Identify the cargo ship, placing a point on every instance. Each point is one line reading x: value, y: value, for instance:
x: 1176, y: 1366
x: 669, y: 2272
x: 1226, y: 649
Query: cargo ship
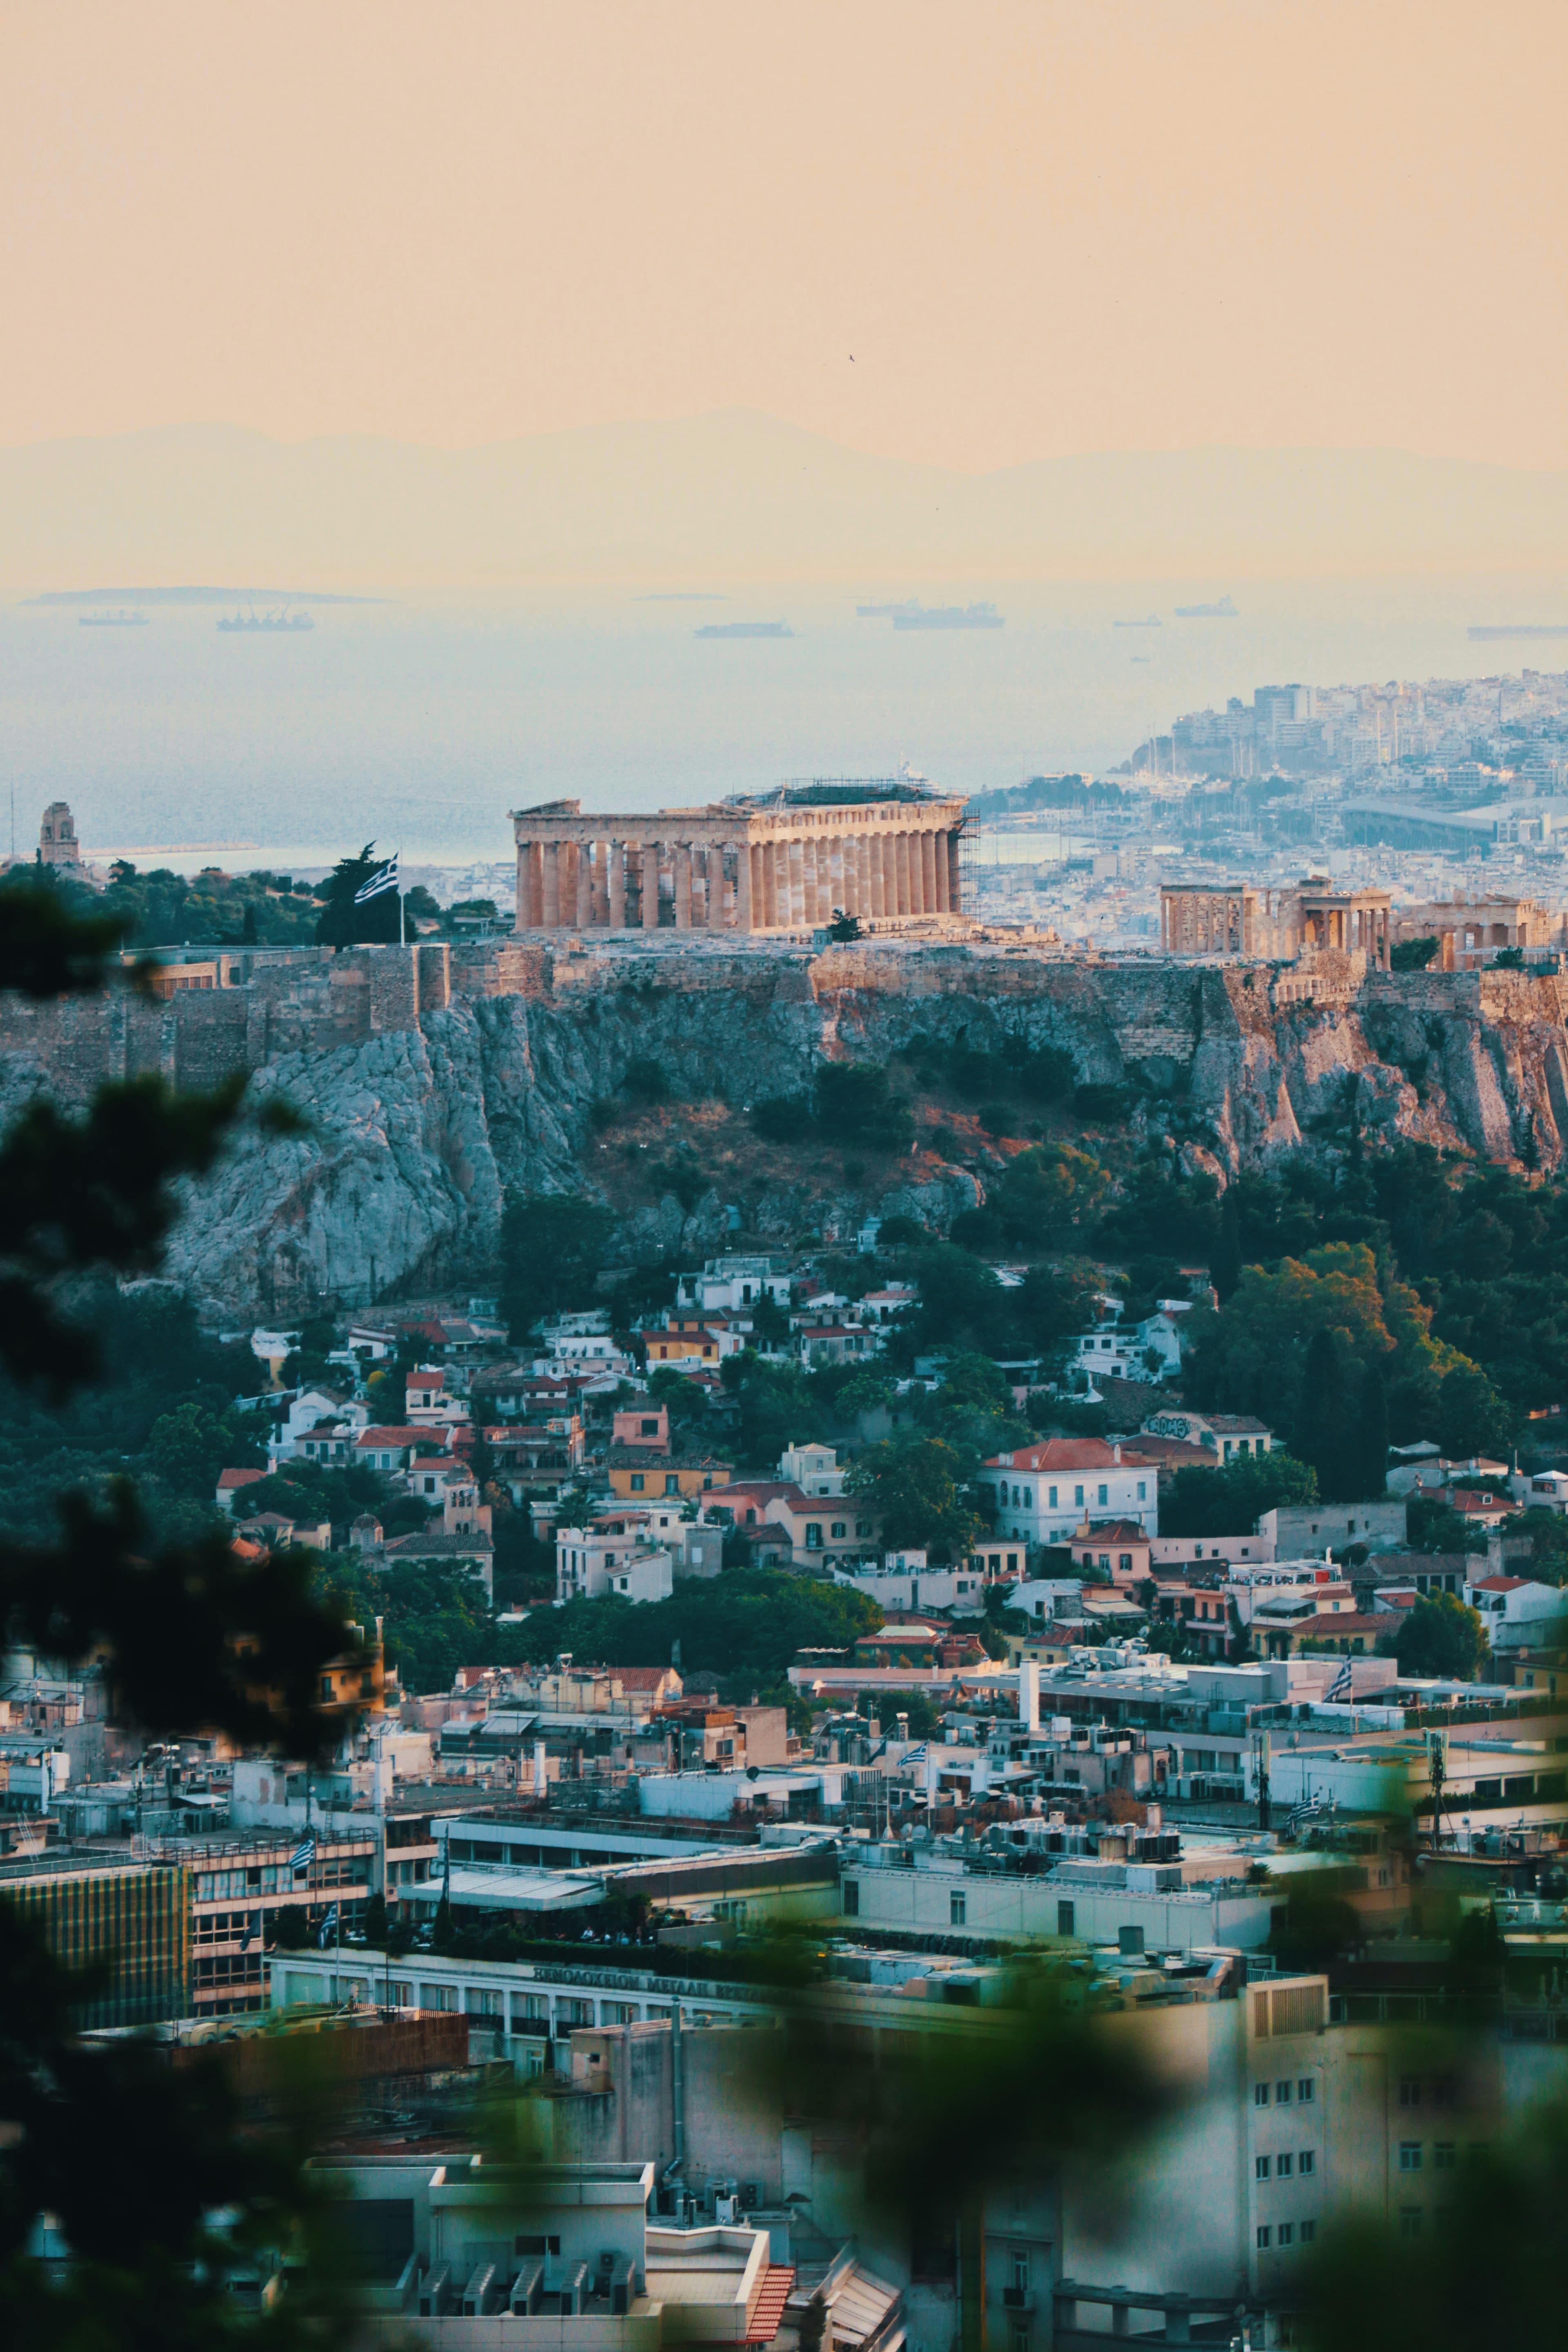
x: 947, y: 616
x: 744, y: 629
x: 1223, y: 611
x: 111, y: 619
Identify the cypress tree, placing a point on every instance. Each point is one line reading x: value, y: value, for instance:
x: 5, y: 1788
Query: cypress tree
x: 1225, y: 1265
x: 1325, y: 1435
x: 1372, y: 1434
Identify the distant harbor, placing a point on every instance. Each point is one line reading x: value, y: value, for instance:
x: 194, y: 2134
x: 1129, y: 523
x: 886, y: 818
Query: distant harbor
x: 744, y: 629
x: 1223, y: 611
x: 285, y: 623
x: 1520, y: 629
x: 111, y: 619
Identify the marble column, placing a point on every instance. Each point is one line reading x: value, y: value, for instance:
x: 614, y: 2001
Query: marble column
x: 682, y: 864
x: 810, y: 884
x: 550, y: 913
x: 901, y: 873
x: 928, y: 874
x: 615, y: 852
x: 743, y: 885
x: 940, y: 876
x: 527, y: 897
x: 651, y: 886
x: 877, y: 888
x: 584, y: 885
x: 955, y: 890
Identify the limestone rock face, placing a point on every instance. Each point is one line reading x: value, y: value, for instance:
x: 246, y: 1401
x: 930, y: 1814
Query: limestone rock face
x: 416, y: 1133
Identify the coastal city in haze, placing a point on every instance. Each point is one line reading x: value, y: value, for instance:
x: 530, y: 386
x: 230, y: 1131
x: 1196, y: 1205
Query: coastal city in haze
x: 784, y: 1179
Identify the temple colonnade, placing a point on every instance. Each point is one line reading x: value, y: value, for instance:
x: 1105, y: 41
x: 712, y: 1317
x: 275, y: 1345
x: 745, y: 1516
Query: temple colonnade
x: 790, y: 870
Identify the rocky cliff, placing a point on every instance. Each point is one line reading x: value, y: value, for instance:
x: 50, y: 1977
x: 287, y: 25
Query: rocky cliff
x: 417, y: 1131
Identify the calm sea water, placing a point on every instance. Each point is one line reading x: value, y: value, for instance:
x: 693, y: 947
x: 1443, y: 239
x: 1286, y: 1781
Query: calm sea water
x: 423, y: 724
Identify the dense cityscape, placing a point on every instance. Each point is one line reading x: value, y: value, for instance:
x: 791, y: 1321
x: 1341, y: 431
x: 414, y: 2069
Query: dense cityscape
x: 784, y: 1178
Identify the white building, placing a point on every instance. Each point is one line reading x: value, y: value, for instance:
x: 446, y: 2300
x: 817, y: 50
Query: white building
x: 1517, y: 1613
x: 732, y: 1282
x: 903, y: 1581
x: 1042, y: 1493
x: 813, y: 1469
x: 615, y: 1556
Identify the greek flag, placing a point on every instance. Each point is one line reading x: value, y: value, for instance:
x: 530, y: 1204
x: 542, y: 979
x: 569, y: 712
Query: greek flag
x: 1339, y: 1686
x: 329, y: 1927
x: 386, y: 880
x: 304, y: 1855
x: 917, y: 1755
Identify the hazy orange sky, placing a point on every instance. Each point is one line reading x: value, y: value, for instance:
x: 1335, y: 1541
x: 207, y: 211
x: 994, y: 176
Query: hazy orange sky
x: 1039, y: 229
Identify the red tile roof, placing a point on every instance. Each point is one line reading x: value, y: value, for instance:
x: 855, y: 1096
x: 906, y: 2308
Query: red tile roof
x: 1066, y: 1454
x: 228, y: 1480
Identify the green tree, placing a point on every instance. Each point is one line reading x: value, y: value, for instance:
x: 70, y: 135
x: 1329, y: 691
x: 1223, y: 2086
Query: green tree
x: 1325, y: 1429
x: 1443, y: 1638
x: 1225, y: 1265
x: 913, y: 1486
x: 1472, y: 1419
x: 190, y: 1638
x: 1230, y: 1499
x: 554, y: 1247
x: 344, y: 924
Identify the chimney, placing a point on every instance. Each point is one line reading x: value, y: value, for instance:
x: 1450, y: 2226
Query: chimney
x: 1116, y: 1452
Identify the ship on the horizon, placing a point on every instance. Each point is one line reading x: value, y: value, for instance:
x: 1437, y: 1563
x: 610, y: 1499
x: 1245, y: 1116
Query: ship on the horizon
x: 744, y: 629
x: 120, y: 620
x: 282, y: 621
x: 1223, y: 611
x: 947, y: 616
x: 1517, y: 629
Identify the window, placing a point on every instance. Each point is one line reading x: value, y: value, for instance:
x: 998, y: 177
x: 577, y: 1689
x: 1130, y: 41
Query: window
x: 1444, y: 2156
x: 1065, y: 1919
x: 672, y: 1482
x: 1021, y: 2273
x: 1053, y: 1498
x: 1410, y: 2221
x: 1281, y: 2095
x: 862, y: 1526
x: 1142, y: 1490
x: 1261, y: 2095
x: 837, y: 1530
x: 1284, y: 2166
x: 1265, y: 2239
x: 1307, y: 2231
x: 1077, y: 1495
x: 1286, y: 2233
x: 1125, y: 1563
x: 851, y: 1898
x: 1261, y: 2167
x: 1306, y: 2089
x: 1410, y: 2155
x: 1307, y: 2162
x: 1410, y: 2090
x: 637, y: 1482
x: 1104, y: 1496
x: 957, y: 1910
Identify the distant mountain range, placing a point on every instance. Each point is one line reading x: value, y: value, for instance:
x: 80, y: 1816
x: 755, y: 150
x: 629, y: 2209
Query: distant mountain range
x: 735, y: 496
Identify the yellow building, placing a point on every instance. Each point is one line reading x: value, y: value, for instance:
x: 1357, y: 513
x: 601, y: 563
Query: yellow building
x: 637, y: 1474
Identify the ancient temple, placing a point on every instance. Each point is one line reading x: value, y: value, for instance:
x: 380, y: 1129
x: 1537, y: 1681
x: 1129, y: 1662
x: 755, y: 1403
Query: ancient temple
x: 739, y: 867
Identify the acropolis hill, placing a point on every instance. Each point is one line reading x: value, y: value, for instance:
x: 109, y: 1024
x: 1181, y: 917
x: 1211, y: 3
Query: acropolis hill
x: 436, y: 1077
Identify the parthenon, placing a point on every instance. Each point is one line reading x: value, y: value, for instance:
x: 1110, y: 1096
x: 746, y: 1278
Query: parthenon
x: 738, y: 867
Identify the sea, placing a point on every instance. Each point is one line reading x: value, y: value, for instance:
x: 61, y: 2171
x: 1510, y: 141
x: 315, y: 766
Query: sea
x: 419, y: 723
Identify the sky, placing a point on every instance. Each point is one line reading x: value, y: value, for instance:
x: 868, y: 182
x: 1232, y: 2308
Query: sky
x: 966, y: 235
